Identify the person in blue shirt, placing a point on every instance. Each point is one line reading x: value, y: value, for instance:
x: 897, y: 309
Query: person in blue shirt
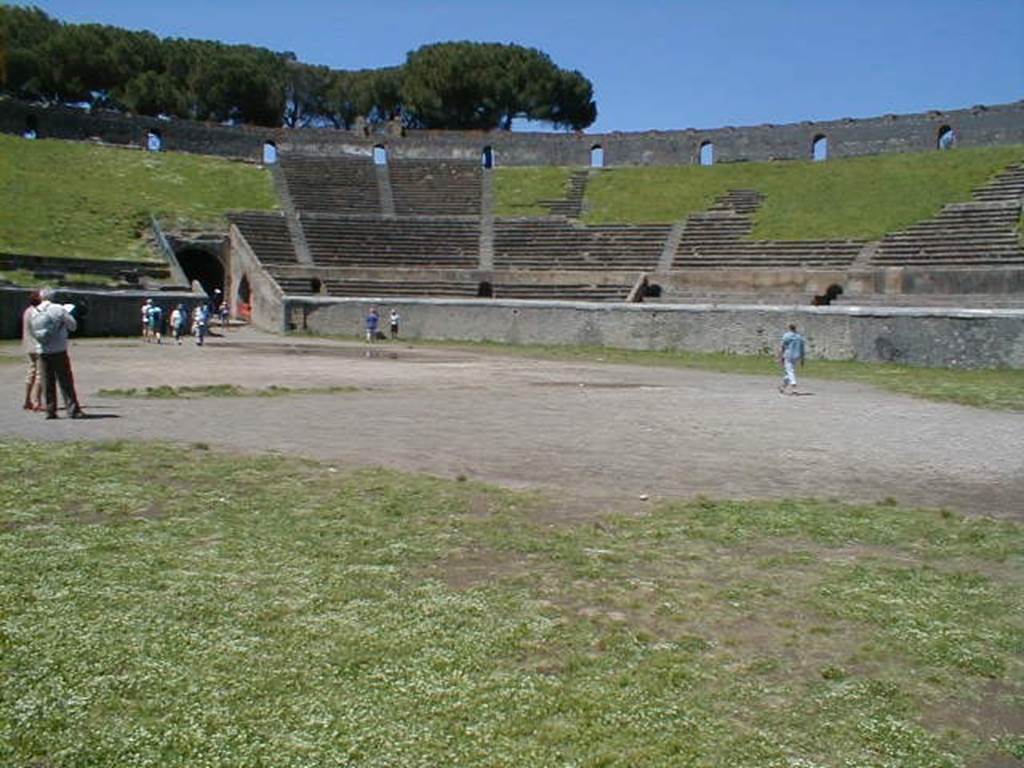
x: 372, y: 321
x: 791, y: 352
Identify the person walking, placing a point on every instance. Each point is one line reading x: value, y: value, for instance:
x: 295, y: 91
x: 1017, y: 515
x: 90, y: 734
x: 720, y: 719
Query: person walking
x: 200, y: 321
x: 156, y: 322
x: 146, y: 306
x: 372, y: 323
x: 791, y: 352
x: 50, y: 325
x: 179, y: 321
x: 33, y: 381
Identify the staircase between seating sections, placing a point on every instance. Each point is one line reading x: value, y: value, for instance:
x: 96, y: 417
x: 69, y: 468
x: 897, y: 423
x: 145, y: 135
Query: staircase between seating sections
x: 716, y: 239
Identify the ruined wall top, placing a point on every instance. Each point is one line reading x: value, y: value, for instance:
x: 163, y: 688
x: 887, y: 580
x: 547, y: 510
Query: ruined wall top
x: 977, y: 126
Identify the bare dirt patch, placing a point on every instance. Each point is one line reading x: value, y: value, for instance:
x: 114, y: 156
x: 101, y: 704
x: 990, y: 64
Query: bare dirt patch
x: 595, y: 436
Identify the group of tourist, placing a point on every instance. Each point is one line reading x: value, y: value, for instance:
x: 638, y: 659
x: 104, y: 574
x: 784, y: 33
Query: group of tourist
x: 178, y: 322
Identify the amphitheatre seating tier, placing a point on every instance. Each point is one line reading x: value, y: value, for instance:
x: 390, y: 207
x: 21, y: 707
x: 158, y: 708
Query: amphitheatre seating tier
x: 393, y: 242
x: 1007, y: 187
x: 944, y: 300
x: 294, y: 284
x: 268, y: 236
x: 967, y: 234
x: 57, y: 270
x: 816, y: 254
x: 435, y: 187
x: 344, y: 184
x: 559, y: 245
x: 562, y: 291
x: 710, y: 296
x: 434, y: 288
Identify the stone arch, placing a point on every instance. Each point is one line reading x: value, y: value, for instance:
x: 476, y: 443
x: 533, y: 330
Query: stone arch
x: 597, y: 156
x: 487, y: 157
x: 380, y: 155
x: 485, y: 290
x: 154, y: 141
x: 706, y: 153
x: 202, y: 266
x: 269, y: 153
x: 819, y: 148
x: 316, y: 285
x: 945, y: 138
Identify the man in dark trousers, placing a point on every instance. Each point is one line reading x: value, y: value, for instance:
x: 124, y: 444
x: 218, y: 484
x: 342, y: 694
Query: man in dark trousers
x: 50, y: 326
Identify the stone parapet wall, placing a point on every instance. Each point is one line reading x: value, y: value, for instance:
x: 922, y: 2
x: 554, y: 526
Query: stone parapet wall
x: 107, y: 313
x: 975, y: 127
x: 931, y: 337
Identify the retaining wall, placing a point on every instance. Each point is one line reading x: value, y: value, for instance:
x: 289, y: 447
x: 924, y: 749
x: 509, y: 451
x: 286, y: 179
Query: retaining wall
x: 106, y: 313
x: 946, y: 338
x: 975, y: 127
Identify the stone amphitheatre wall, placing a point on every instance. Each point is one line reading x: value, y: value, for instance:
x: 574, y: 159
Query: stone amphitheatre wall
x: 974, y: 127
x: 930, y: 337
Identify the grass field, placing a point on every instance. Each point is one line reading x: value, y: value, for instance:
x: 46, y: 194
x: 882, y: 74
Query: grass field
x: 170, y: 606
x: 83, y: 200
x: 842, y: 198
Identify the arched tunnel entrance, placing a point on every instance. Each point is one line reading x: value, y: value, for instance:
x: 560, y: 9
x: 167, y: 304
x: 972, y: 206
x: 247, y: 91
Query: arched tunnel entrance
x: 203, y: 266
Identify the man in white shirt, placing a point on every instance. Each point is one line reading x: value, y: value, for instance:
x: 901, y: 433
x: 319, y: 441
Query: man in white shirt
x: 51, y: 336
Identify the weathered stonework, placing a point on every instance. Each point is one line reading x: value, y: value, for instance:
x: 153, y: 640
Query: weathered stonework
x: 930, y: 337
x: 975, y: 127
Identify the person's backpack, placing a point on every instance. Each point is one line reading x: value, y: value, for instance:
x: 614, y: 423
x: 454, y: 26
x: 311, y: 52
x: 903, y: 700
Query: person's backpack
x: 43, y: 326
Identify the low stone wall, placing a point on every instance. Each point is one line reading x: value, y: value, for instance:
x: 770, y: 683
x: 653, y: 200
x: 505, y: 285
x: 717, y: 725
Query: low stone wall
x: 944, y: 338
x: 106, y: 313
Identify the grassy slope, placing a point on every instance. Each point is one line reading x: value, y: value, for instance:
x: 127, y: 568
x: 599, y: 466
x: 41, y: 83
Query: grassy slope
x: 223, y: 611
x: 843, y: 198
x: 64, y: 198
x: 518, y: 190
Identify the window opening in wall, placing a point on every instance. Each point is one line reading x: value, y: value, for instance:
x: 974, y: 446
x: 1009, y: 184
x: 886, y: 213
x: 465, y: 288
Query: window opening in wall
x: 153, y: 141
x: 315, y: 285
x: 31, y: 126
x: 485, y: 290
x: 947, y: 138
x: 487, y: 157
x: 707, y: 153
x: 269, y: 153
x: 819, y: 149
x: 597, y: 156
x: 380, y: 155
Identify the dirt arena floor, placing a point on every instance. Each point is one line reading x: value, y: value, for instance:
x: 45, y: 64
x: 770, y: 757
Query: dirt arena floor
x: 599, y: 436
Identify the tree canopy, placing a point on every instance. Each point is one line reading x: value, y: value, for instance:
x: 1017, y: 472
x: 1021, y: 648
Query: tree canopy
x: 457, y: 85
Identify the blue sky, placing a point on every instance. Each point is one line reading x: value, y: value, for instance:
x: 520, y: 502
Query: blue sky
x: 654, y: 64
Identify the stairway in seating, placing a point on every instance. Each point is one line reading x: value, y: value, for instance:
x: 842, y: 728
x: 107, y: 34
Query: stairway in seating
x: 267, y: 234
x: 743, y: 201
x: 570, y: 206
x: 1007, y: 187
x: 343, y: 184
x: 983, y: 232
x: 716, y: 239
